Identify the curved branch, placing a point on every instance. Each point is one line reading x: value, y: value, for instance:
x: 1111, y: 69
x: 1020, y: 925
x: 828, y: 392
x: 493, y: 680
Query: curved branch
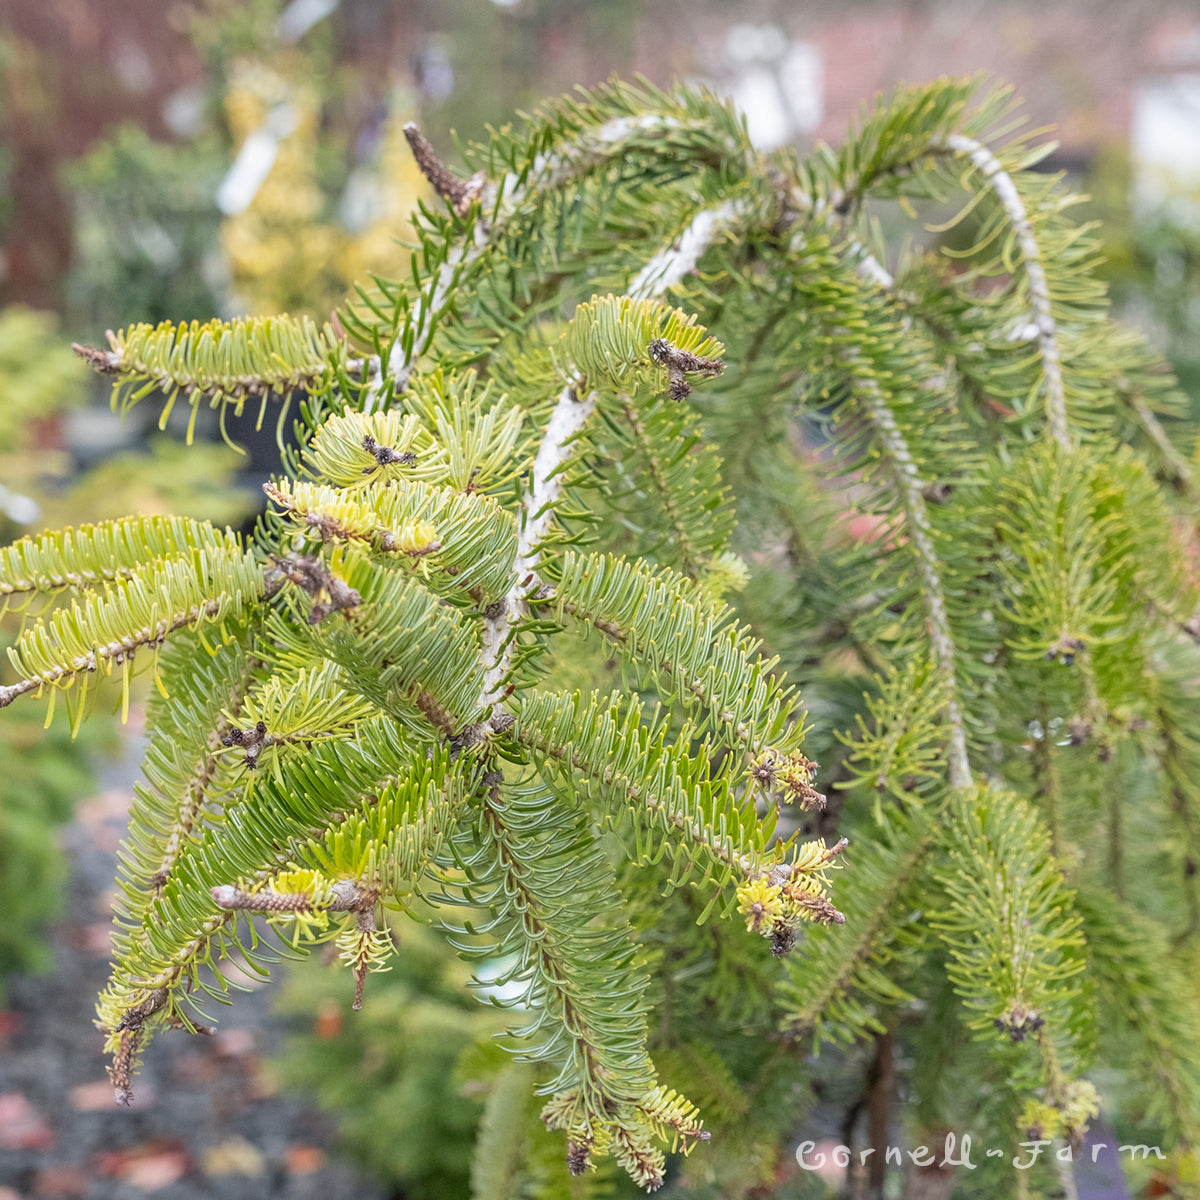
x: 113, y: 654
x: 196, y: 790
x: 662, y: 805
x: 568, y: 418
x: 1001, y: 183
x: 548, y: 172
x: 669, y: 266
x: 692, y: 562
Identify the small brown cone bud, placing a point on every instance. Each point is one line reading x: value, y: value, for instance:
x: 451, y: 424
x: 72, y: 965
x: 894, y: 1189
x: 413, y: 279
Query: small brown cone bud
x: 579, y: 1157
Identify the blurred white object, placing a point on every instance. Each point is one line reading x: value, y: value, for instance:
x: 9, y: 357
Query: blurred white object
x: 803, y: 83
x: 757, y: 94
x: 776, y: 82
x: 300, y: 16
x: 1165, y: 148
x: 184, y: 111
x: 21, y: 509
x: 254, y: 161
x: 745, y: 43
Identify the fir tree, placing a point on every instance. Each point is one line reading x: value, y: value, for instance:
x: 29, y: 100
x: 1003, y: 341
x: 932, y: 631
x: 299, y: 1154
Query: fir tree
x: 358, y: 708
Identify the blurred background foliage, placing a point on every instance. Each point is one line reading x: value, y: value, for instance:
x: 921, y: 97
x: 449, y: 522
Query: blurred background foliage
x: 42, y: 484
x: 1152, y: 265
x: 409, y: 1073
x: 145, y: 230
x: 277, y: 177
x: 45, y: 773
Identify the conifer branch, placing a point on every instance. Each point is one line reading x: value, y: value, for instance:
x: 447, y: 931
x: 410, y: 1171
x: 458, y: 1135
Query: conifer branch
x: 911, y: 490
x: 181, y: 774
x: 153, y: 957
x: 502, y: 201
x: 658, y: 622
x: 591, y: 148
x: 567, y: 420
x: 1013, y: 936
x: 375, y: 654
x: 344, y: 896
x: 457, y: 192
x: 12, y: 691
x: 120, y: 1011
x: 94, y: 555
x: 196, y: 791
x: 1001, y: 183
x: 675, y: 262
x: 114, y: 653
x: 1131, y: 961
x: 550, y: 171
x: 690, y: 560
x: 670, y: 797
x: 222, y: 362
x: 1177, y: 464
x: 584, y: 989
x: 831, y: 972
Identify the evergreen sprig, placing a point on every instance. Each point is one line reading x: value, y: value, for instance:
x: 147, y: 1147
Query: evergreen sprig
x: 223, y: 362
x: 968, y: 529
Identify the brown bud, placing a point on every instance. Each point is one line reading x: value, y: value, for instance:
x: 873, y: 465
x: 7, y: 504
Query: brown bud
x: 579, y: 1157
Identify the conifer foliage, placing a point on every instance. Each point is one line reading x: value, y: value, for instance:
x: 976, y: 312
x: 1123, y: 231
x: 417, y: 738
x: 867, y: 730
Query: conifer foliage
x: 527, y: 441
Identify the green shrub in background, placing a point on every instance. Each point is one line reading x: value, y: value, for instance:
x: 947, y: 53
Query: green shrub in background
x: 392, y: 1070
x: 978, y: 563
x: 145, y: 230
x: 42, y: 379
x: 45, y: 772
x: 165, y: 477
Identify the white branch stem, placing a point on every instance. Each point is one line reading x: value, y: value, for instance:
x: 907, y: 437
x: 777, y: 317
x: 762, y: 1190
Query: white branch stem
x: 910, y: 487
x: 670, y: 265
x: 12, y: 691
x: 570, y: 414
x: 503, y: 200
x: 999, y: 180
x: 912, y: 497
x: 400, y: 364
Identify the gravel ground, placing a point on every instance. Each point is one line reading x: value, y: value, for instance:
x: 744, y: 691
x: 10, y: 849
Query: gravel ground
x: 205, y: 1121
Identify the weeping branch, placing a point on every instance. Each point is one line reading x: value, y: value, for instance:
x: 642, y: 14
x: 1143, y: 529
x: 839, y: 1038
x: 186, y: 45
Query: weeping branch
x: 549, y: 171
x: 911, y: 491
x: 673, y: 263
x: 1001, y: 183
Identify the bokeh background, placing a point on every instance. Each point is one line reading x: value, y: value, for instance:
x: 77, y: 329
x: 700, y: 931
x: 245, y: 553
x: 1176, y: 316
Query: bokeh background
x: 185, y: 158
x: 196, y: 157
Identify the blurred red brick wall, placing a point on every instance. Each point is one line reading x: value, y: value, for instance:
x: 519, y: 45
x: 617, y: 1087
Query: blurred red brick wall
x: 71, y: 69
